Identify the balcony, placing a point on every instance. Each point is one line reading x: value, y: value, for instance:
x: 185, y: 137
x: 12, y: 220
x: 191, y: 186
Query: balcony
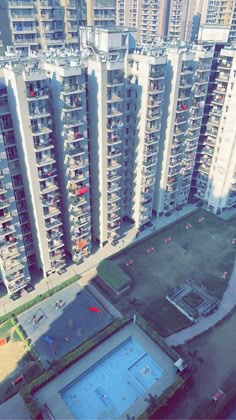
x: 44, y: 174
x: 150, y: 162
x: 153, y: 115
x: 218, y: 100
x: 74, y: 151
x: 114, y: 152
x: 37, y: 94
x: 49, y: 187
x: 4, y: 203
x: 113, y: 226
x: 72, y: 122
x: 114, y: 140
x: 155, y: 88
x: 42, y: 145
x: 74, y: 164
x: 113, y: 198
x: 78, y: 191
x: 21, y: 4
x: 150, y: 150
x: 5, y: 217
x: 112, y: 208
x: 199, y: 93
x: 114, y: 98
x: 186, y: 70
x: 37, y: 130
x: 54, y: 222
x: 205, y: 169
x: 67, y: 89
x: 74, y: 137
x: 152, y: 128
x: 56, y: 244
x: 112, y: 164
x: 45, y: 160
x: 113, y: 186
x: 149, y: 140
x: 51, y: 211
x: 74, y: 104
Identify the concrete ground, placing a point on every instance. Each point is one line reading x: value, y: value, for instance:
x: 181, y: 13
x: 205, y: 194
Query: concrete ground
x: 14, y: 409
x: 212, y: 357
x: 74, y: 320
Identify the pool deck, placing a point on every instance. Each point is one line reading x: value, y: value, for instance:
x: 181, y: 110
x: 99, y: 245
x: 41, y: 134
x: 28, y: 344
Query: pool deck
x: 50, y: 394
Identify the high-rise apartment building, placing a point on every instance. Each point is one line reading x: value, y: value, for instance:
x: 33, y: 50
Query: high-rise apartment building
x: 181, y: 19
x: 40, y: 24
x: 120, y: 130
x: 29, y: 105
x: 149, y: 18
x: 219, y: 12
x: 187, y: 75
x: 69, y: 104
x: 100, y: 12
x: 216, y: 161
x: 220, y: 16
x: 15, y: 255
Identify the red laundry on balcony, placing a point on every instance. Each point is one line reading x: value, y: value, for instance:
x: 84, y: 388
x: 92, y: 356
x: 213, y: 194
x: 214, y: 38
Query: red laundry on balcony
x: 32, y: 93
x: 184, y: 107
x: 82, y: 191
x: 81, y: 244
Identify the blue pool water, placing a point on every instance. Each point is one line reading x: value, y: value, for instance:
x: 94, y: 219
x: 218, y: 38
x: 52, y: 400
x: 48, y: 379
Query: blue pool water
x: 112, y: 385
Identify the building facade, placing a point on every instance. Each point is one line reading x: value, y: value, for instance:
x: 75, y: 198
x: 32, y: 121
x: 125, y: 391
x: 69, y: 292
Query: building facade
x: 41, y: 24
x: 120, y: 131
x: 216, y: 162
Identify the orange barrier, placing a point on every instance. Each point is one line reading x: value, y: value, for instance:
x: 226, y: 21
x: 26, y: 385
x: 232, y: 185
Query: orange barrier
x: 17, y: 380
x: 3, y: 341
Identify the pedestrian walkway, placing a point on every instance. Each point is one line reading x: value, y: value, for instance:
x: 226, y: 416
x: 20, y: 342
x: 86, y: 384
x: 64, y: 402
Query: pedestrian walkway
x: 227, y: 303
x: 128, y: 236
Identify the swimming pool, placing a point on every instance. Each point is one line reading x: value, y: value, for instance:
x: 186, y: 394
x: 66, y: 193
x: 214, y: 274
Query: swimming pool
x: 112, y: 385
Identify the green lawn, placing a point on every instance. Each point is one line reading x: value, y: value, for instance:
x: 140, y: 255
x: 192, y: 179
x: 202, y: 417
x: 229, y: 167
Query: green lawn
x: 5, y: 329
x: 201, y: 253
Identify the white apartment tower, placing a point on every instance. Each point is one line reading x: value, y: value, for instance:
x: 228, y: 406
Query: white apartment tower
x: 149, y: 18
x: 101, y: 12
x: 106, y: 70
x: 67, y: 83
x: 181, y: 19
x: 187, y: 78
x: 216, y: 165
x: 13, y: 211
x: 40, y: 24
x: 144, y: 105
x: 29, y: 105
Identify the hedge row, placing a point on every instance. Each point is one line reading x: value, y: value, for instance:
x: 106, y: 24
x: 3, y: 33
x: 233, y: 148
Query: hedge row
x: 113, y: 275
x: 157, y: 339
x: 38, y: 299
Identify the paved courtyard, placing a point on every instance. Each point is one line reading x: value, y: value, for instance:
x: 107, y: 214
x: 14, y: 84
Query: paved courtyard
x: 55, y: 330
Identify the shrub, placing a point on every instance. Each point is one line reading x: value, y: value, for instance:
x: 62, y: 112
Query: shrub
x: 113, y: 275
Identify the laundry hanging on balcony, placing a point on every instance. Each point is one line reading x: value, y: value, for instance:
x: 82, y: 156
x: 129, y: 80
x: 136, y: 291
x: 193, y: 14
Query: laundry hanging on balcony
x: 81, y: 244
x: 82, y: 191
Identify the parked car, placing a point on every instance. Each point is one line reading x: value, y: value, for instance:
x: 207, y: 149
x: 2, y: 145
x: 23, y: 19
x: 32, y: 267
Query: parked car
x: 169, y: 213
x: 114, y: 242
